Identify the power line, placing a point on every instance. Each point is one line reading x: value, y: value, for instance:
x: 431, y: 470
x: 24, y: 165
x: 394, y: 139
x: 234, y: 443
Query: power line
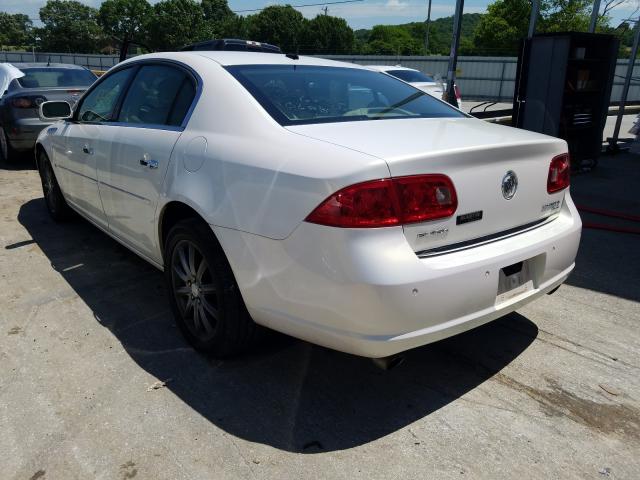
x: 259, y: 9
x: 299, y: 6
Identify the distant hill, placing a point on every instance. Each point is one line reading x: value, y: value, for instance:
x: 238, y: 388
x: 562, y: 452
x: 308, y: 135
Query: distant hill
x: 368, y: 41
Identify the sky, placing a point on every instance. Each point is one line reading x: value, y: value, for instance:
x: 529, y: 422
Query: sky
x: 362, y: 14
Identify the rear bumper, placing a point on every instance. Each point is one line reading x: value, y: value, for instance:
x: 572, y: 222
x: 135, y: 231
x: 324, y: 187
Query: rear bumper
x: 367, y: 293
x: 22, y: 133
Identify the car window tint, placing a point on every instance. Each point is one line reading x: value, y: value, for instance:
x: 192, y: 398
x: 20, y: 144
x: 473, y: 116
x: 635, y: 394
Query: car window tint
x: 303, y: 94
x: 159, y: 95
x: 100, y: 104
x: 50, y: 77
x: 182, y: 103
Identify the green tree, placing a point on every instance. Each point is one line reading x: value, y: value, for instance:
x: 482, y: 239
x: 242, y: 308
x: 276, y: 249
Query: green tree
x: 439, y: 36
x: 233, y: 27
x: 176, y: 23
x: 221, y: 21
x: 392, y: 40
x: 565, y: 15
x: 216, y: 10
x: 15, y: 30
x: 124, y: 21
x: 69, y: 26
x: 502, y: 27
x: 327, y: 34
x: 507, y: 22
x: 279, y: 25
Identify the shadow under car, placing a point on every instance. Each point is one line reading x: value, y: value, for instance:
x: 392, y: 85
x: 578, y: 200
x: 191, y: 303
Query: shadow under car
x: 288, y: 393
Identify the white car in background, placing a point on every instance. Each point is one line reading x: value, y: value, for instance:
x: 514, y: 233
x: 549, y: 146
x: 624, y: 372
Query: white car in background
x: 427, y: 83
x: 313, y: 197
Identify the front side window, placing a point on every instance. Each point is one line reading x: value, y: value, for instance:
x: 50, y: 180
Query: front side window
x: 100, y: 103
x: 159, y: 95
x: 51, y: 77
x: 301, y: 94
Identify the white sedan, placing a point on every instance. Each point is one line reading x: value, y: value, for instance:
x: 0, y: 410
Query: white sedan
x: 424, y: 82
x: 312, y: 197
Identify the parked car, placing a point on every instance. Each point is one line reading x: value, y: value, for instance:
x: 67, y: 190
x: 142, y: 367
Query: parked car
x: 427, y: 83
x: 313, y: 197
x: 233, y: 45
x: 23, y: 87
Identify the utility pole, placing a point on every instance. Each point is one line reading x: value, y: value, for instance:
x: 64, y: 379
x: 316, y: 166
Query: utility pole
x: 453, y: 54
x: 613, y: 141
x: 594, y: 16
x: 426, y: 39
x: 533, y: 19
x: 325, y: 9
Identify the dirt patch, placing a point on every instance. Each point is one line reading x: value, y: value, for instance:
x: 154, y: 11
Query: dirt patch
x: 128, y: 470
x: 608, y: 418
x: 38, y: 474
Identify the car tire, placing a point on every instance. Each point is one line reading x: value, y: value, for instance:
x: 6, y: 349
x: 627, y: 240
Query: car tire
x: 53, y: 198
x: 203, y: 292
x: 6, y: 152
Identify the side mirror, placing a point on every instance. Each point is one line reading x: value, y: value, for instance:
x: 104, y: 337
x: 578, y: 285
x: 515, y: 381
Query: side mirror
x: 56, y: 110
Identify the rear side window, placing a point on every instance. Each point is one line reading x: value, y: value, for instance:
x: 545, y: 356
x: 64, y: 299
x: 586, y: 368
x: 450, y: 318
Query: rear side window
x: 50, y: 77
x: 100, y: 103
x: 159, y: 95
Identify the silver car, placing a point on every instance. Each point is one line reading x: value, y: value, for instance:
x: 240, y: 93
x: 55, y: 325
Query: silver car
x: 23, y: 87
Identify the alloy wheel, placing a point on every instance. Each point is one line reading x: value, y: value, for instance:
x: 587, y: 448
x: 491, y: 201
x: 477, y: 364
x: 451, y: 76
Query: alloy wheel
x: 194, y: 290
x: 48, y: 186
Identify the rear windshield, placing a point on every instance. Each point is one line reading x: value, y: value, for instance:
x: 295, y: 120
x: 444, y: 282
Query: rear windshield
x: 48, y: 77
x: 410, y: 75
x: 298, y: 95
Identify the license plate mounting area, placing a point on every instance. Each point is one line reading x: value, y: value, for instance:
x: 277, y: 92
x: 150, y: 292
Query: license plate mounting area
x: 514, y: 281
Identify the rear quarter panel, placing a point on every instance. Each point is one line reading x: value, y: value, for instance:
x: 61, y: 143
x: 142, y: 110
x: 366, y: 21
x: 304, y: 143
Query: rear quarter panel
x: 240, y: 169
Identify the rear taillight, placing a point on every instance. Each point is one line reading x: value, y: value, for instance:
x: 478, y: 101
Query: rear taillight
x: 456, y: 89
x: 388, y: 202
x: 559, y: 169
x: 32, y: 101
x: 425, y: 197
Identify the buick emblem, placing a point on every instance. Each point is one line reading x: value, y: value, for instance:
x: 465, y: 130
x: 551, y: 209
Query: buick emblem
x: 509, y: 185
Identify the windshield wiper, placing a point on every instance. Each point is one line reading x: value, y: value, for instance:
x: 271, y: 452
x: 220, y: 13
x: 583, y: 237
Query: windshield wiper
x: 399, y: 104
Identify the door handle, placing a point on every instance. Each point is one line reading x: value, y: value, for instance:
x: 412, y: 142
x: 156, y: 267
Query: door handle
x: 147, y: 162
x: 88, y: 150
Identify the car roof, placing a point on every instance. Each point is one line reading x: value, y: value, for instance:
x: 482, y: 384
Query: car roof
x: 229, y: 58
x: 386, y: 68
x: 21, y: 65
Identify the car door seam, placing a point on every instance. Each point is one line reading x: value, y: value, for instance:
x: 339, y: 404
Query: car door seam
x: 135, y: 250
x: 139, y: 197
x: 77, y: 173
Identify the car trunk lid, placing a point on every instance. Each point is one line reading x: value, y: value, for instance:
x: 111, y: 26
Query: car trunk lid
x: 432, y: 88
x: 476, y: 155
x: 39, y: 95
x: 67, y: 94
